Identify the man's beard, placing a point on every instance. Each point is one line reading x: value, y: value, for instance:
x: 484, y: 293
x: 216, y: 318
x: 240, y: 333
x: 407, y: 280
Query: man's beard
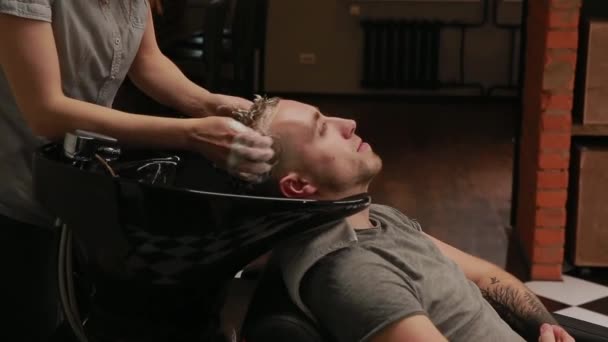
x: 359, y: 183
x: 369, y: 171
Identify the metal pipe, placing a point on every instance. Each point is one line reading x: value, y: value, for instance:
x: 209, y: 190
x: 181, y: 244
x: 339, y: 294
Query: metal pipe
x: 464, y: 26
x: 454, y: 23
x: 518, y: 128
x: 63, y: 279
x: 495, y: 16
x: 419, y: 1
x: 463, y: 35
x: 513, y: 28
x: 511, y: 57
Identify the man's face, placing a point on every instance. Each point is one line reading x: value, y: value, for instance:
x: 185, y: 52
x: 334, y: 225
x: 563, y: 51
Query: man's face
x: 322, y: 157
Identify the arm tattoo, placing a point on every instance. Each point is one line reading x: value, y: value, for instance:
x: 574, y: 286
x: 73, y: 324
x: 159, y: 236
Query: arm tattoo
x: 522, y: 310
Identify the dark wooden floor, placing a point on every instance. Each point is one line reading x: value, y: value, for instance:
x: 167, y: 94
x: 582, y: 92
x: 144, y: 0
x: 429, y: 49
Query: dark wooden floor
x: 448, y: 165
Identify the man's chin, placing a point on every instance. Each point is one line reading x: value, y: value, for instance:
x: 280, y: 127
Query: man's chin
x: 375, y: 166
x: 367, y: 177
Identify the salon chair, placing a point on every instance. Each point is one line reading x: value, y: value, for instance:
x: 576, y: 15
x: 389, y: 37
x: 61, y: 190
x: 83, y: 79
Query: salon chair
x: 150, y: 239
x: 273, y: 317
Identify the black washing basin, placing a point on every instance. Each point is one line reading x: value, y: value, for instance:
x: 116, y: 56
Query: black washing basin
x: 161, y: 239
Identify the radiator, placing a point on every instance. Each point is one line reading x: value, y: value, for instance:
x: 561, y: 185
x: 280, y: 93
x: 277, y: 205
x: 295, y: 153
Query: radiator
x: 400, y: 54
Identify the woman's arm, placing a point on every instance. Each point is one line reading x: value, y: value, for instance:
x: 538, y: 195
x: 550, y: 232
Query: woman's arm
x: 28, y: 58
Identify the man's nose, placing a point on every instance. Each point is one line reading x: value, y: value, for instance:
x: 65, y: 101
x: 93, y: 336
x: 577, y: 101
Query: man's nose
x: 346, y: 127
x: 350, y: 127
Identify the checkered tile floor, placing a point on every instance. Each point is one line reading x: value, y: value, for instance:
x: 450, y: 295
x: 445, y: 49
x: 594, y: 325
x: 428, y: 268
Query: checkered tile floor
x: 581, y: 295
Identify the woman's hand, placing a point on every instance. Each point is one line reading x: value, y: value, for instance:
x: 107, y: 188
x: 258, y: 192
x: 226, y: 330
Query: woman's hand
x: 239, y: 149
x: 223, y: 105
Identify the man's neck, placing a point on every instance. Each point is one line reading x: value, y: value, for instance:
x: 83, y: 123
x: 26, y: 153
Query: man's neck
x: 360, y: 220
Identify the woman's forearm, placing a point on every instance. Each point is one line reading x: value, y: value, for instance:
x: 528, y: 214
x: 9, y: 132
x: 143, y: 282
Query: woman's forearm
x: 158, y: 77
x: 64, y: 114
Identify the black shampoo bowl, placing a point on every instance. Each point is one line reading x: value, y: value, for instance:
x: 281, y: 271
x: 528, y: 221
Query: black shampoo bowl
x: 158, y: 241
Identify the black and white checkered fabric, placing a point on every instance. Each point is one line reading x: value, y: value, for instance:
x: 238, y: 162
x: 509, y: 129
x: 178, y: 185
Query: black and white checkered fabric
x: 581, y: 294
x: 170, y: 260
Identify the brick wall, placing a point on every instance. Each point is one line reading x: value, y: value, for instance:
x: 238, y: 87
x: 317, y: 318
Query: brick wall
x: 552, y: 41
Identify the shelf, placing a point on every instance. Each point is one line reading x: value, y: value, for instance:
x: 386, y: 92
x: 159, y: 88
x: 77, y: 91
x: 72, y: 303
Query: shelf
x: 589, y: 130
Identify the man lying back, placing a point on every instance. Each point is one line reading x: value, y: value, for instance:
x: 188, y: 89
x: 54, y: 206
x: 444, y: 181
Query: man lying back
x: 377, y: 276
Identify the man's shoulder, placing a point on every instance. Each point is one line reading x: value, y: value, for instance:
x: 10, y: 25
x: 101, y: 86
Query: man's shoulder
x: 380, y: 208
x: 383, y: 209
x: 391, y: 215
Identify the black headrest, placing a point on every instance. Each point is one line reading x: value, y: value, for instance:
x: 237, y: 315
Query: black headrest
x: 273, y: 317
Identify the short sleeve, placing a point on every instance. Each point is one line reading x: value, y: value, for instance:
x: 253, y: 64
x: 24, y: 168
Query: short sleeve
x: 412, y: 223
x: 30, y: 9
x: 416, y: 225
x: 354, y: 294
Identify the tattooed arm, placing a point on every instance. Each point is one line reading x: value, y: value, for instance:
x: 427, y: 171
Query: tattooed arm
x: 513, y: 301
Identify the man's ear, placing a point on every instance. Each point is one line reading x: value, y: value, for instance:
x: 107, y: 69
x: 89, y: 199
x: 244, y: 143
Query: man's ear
x: 295, y: 186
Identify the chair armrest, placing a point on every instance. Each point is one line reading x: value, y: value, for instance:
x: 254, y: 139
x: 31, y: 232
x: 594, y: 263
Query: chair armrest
x: 581, y: 330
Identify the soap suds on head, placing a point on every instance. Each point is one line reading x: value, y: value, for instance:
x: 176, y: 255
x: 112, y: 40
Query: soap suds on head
x: 237, y: 126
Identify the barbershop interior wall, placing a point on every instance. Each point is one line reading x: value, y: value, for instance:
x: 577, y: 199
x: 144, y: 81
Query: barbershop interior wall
x: 327, y: 29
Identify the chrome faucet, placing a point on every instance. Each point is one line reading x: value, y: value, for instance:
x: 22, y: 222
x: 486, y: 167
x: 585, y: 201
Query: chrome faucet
x: 82, y: 146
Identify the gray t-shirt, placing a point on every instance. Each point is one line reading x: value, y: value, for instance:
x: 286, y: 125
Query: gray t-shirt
x: 388, y: 273
x: 96, y: 41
